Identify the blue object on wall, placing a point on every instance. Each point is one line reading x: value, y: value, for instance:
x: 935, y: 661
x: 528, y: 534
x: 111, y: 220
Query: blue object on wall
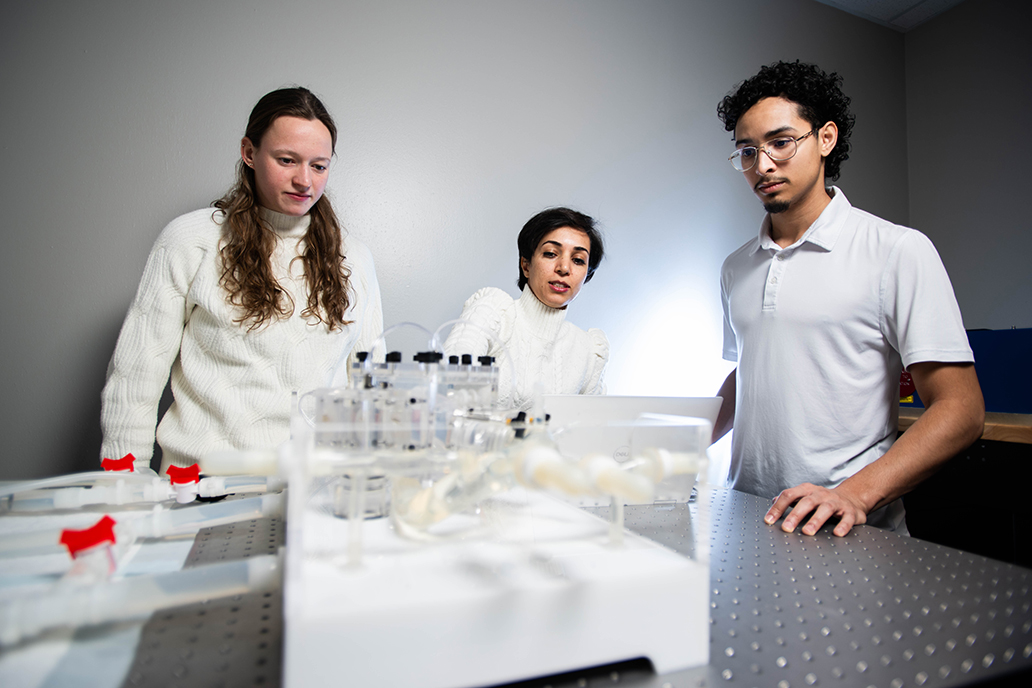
x: 1003, y: 361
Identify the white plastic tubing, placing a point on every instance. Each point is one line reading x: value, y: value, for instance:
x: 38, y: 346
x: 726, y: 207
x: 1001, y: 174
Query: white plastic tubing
x: 159, y: 522
x: 133, y: 598
x: 119, y: 489
x: 116, y: 493
x: 88, y: 478
x: 217, y: 486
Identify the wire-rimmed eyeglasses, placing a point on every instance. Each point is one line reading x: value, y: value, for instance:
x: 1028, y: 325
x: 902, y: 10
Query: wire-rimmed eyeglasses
x: 779, y: 150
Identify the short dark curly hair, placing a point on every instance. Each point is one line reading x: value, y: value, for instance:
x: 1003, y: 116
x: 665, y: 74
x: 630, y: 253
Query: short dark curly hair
x: 818, y: 94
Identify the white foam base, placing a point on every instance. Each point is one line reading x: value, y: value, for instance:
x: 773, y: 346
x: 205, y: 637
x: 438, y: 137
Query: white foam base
x: 533, y: 588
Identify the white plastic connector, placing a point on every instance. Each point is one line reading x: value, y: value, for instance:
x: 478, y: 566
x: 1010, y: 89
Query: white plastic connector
x: 542, y: 466
x: 607, y: 475
x: 186, y: 492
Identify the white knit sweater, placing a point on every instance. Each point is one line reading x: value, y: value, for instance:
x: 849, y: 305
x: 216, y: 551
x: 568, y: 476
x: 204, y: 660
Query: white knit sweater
x: 548, y: 354
x: 232, y: 387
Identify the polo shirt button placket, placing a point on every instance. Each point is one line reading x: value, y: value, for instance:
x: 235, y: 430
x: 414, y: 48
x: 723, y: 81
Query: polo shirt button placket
x: 770, y: 292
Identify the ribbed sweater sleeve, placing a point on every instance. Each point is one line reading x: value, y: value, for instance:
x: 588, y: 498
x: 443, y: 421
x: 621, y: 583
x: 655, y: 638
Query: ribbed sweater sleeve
x: 231, y: 384
x: 151, y: 337
x: 491, y: 312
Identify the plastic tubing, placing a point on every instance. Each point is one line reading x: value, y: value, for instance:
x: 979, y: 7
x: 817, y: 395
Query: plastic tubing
x: 122, y: 491
x: 610, y: 479
x: 542, y: 466
x: 177, y: 521
x: 132, y: 598
x: 381, y: 341
x: 90, y: 477
x: 158, y: 523
x: 238, y: 484
x: 251, y: 462
x: 451, y: 494
x: 658, y: 463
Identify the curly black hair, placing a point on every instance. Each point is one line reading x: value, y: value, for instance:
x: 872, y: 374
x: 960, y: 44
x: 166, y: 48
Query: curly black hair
x: 818, y: 94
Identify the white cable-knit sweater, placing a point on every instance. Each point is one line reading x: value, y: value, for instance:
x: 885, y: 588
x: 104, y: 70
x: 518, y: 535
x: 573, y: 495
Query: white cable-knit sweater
x: 546, y: 351
x: 232, y: 387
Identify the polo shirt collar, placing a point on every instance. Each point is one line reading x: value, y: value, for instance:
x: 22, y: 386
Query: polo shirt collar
x: 824, y: 231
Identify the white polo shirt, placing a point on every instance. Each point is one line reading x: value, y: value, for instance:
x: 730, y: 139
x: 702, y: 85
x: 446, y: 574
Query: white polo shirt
x: 821, y: 330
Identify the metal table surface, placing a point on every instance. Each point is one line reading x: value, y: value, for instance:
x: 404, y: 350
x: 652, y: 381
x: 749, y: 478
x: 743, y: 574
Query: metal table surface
x: 871, y: 609
x: 787, y: 610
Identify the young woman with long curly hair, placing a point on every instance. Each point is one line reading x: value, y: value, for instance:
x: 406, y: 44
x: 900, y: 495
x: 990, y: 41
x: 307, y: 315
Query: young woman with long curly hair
x: 263, y: 296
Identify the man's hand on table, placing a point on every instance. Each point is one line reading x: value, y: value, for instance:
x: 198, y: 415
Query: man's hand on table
x: 820, y: 504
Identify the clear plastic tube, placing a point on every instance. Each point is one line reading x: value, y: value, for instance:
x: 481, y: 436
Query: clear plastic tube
x: 88, y: 478
x: 415, y: 509
x: 236, y: 462
x: 176, y: 521
x: 123, y: 490
x: 132, y: 598
x: 541, y: 466
x: 609, y: 478
x: 239, y: 484
x: 659, y: 464
x: 157, y: 523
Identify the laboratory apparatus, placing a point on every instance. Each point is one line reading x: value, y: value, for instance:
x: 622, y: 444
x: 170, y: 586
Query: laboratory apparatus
x: 73, y: 536
x: 429, y: 542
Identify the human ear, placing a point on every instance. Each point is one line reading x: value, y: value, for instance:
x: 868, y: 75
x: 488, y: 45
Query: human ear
x: 828, y: 137
x: 524, y: 266
x: 247, y: 151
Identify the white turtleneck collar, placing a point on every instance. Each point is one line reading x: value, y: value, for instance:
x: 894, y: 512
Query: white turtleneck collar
x: 286, y: 225
x: 541, y: 320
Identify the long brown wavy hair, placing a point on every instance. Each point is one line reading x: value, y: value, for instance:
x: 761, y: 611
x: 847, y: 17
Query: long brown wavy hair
x: 248, y: 241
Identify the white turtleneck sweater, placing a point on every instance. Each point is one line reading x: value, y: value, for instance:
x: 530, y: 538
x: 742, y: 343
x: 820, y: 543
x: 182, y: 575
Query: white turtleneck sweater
x: 546, y: 351
x: 232, y: 387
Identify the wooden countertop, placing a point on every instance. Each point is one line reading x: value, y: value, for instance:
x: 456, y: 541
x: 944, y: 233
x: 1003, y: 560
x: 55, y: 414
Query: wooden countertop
x: 1002, y: 427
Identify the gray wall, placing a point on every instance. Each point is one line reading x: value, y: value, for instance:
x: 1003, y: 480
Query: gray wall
x: 459, y: 120
x: 969, y: 107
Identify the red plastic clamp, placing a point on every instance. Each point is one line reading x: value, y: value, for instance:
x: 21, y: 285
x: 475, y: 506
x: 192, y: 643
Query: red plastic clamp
x: 180, y: 476
x: 78, y: 540
x: 125, y: 464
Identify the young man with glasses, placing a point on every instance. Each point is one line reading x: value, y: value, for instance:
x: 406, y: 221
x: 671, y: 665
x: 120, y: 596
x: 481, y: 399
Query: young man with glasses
x: 822, y: 310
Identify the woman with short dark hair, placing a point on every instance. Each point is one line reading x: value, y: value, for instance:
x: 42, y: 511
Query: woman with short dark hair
x: 560, y: 249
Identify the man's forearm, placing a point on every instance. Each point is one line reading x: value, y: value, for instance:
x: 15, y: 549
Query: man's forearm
x: 953, y: 419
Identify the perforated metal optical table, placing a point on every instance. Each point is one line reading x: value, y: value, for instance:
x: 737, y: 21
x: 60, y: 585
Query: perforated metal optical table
x: 788, y: 611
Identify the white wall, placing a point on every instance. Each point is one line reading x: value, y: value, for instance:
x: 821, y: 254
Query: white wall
x: 459, y: 119
x: 969, y: 107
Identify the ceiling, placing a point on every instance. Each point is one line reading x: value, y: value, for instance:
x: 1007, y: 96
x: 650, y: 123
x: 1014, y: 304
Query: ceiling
x: 901, y: 15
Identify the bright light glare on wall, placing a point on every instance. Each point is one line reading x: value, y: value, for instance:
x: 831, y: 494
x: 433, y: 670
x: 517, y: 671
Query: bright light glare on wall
x: 672, y: 349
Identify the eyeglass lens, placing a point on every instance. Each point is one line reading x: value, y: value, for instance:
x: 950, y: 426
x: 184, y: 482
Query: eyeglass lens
x: 778, y: 149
